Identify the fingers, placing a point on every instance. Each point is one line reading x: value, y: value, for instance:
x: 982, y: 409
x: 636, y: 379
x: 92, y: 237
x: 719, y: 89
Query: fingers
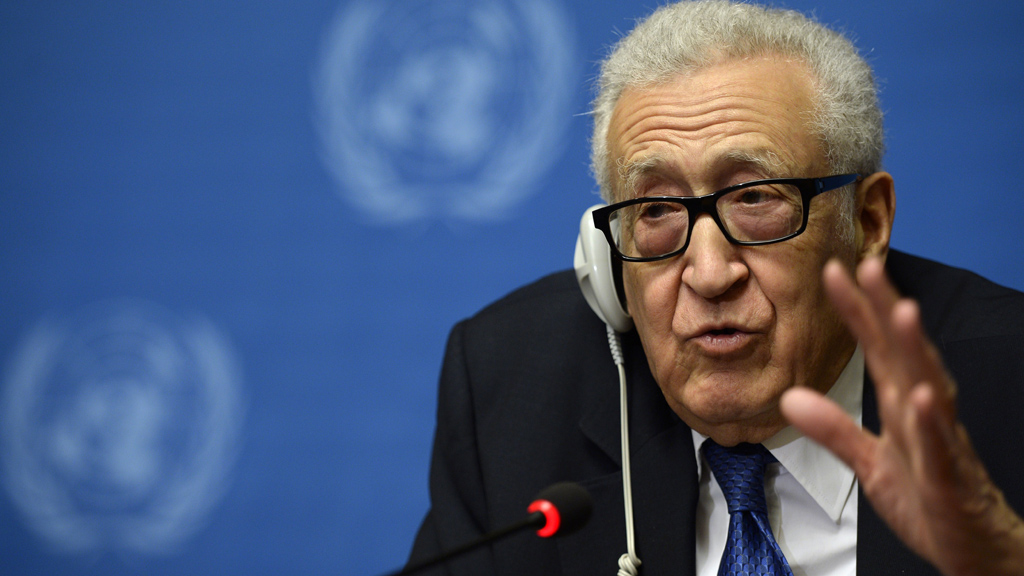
x: 881, y: 294
x: 868, y: 320
x: 922, y: 359
x: 933, y: 462
x: 889, y: 328
x: 825, y: 422
x: 851, y: 303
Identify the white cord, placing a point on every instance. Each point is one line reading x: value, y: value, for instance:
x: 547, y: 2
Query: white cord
x: 629, y: 564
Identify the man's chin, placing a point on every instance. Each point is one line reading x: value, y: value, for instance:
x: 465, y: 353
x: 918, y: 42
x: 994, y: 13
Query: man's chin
x: 729, y: 432
x: 724, y: 410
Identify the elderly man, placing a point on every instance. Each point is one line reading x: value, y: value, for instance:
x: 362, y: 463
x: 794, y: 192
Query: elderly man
x: 740, y: 151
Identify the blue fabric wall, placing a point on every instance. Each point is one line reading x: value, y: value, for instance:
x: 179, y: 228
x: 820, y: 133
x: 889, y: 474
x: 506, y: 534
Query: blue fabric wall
x: 234, y: 235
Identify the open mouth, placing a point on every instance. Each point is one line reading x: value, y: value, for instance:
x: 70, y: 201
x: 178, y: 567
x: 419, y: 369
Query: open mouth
x: 723, y: 332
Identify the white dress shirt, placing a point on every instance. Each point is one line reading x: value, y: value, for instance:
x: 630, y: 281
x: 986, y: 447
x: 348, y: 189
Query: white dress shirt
x: 811, y: 495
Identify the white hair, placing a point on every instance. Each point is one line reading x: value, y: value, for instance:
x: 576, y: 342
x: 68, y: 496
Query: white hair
x: 690, y: 36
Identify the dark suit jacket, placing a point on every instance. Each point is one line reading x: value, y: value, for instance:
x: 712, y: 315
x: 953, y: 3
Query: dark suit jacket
x: 529, y: 397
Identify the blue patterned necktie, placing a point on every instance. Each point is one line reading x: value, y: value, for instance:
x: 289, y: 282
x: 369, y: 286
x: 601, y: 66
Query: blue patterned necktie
x: 751, y: 548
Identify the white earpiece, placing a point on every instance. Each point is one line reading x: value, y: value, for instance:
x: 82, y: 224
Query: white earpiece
x: 594, y: 272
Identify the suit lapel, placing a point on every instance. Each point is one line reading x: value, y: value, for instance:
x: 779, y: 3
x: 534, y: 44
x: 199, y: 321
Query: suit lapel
x: 664, y: 482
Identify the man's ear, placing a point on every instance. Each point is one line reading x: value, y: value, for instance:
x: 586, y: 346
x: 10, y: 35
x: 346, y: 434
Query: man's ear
x: 875, y: 209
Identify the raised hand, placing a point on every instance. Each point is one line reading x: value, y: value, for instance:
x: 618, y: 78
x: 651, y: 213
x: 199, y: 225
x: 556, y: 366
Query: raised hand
x: 920, y: 473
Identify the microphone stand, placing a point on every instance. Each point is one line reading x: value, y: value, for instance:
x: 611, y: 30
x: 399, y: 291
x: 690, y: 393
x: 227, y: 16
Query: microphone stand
x: 534, y: 520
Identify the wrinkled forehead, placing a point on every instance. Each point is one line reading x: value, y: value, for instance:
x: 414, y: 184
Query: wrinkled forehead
x: 754, y: 114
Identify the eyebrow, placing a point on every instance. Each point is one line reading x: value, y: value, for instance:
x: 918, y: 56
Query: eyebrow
x: 765, y: 160
x: 631, y: 174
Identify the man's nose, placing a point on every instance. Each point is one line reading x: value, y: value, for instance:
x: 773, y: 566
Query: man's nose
x: 710, y: 264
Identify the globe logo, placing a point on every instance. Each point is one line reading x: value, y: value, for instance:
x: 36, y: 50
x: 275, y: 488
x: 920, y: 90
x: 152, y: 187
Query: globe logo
x: 120, y: 424
x: 450, y: 109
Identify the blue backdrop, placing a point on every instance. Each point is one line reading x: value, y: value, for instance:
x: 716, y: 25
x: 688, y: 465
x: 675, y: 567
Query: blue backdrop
x: 233, y: 237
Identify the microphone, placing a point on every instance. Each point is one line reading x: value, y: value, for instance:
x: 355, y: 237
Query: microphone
x: 559, y: 509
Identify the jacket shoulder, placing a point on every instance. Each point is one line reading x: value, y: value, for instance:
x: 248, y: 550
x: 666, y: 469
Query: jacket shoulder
x: 558, y: 289
x: 957, y: 304
x: 551, y: 309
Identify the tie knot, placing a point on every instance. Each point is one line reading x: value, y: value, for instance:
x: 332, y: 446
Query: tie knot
x: 739, y: 470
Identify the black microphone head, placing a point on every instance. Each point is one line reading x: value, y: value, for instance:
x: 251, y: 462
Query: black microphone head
x: 572, y: 502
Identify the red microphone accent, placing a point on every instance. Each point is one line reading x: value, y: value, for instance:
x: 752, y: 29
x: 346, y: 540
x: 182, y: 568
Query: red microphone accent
x: 554, y: 519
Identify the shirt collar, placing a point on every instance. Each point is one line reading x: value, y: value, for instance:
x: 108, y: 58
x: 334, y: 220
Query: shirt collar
x: 825, y: 478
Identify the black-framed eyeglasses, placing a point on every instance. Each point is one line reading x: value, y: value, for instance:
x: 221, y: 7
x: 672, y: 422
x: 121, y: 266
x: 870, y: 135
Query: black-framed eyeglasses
x: 748, y: 214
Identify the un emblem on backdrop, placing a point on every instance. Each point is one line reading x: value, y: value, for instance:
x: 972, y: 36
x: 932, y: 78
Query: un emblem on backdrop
x: 447, y: 109
x: 119, y: 427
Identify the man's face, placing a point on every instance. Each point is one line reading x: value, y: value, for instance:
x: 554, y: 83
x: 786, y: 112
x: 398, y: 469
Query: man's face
x: 727, y: 329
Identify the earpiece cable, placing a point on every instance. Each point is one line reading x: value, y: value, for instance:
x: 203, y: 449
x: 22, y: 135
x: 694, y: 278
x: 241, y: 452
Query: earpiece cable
x: 629, y: 564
